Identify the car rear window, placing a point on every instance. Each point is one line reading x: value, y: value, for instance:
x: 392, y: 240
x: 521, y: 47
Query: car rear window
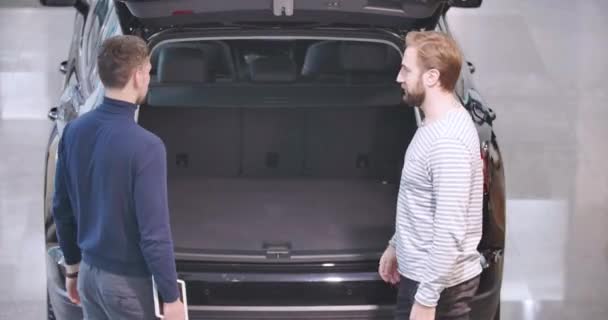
x: 275, y: 61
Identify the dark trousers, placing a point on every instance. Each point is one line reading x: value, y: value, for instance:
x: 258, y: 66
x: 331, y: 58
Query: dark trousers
x: 453, y: 302
x: 108, y: 296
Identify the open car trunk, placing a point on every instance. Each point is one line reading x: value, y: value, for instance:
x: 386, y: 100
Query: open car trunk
x: 317, y: 181
x: 280, y: 148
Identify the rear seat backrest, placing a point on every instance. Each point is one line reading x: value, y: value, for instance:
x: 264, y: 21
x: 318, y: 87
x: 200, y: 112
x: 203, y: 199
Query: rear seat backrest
x: 272, y: 137
x: 357, y: 143
x: 368, y: 57
x: 322, y: 59
x: 271, y: 142
x: 273, y: 69
x: 279, y: 142
x: 351, y: 61
x: 369, y: 62
x: 339, y: 142
x: 350, y: 143
x: 199, y: 141
x: 183, y: 65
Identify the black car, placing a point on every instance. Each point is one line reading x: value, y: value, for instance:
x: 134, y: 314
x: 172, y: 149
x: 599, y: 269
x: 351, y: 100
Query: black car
x: 285, y: 132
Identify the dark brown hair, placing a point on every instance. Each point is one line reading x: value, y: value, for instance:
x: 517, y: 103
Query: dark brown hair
x: 118, y: 58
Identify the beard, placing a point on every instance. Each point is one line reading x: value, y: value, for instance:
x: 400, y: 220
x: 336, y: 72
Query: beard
x: 415, y: 96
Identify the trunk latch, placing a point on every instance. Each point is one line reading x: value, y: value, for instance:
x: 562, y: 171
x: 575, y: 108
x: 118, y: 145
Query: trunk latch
x: 277, y: 250
x: 282, y: 7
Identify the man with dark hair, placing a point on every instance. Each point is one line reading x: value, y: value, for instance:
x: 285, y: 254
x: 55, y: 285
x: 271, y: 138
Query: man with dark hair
x: 110, y: 203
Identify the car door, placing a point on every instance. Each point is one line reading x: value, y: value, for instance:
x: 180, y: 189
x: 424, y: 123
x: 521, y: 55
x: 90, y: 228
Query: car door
x: 77, y: 88
x: 82, y: 87
x: 91, y: 40
x: 78, y: 31
x: 82, y: 91
x: 109, y: 26
x: 66, y: 110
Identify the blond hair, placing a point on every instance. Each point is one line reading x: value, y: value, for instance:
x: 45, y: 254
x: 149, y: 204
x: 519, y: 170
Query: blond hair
x: 436, y: 50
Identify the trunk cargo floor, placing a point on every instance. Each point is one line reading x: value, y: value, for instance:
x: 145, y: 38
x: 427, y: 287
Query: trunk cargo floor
x: 312, y: 215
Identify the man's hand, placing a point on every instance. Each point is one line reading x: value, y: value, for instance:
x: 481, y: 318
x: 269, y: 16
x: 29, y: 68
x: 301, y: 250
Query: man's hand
x: 420, y: 312
x: 388, y: 266
x: 174, y: 311
x: 71, y: 286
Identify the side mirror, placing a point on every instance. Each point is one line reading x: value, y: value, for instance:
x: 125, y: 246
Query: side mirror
x: 465, y: 3
x: 472, y: 67
x: 63, y: 67
x: 53, y: 114
x: 58, y: 3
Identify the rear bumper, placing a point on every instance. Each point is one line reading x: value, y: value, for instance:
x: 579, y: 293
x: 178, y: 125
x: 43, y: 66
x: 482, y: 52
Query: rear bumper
x: 484, y: 305
x: 321, y: 312
x: 484, y: 308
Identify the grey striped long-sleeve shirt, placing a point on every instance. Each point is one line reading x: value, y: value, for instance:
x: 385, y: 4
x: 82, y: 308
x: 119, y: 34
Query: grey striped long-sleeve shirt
x: 439, y: 209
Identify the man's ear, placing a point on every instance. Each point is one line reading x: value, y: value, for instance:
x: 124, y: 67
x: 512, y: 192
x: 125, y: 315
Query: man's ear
x: 137, y: 77
x: 431, y: 78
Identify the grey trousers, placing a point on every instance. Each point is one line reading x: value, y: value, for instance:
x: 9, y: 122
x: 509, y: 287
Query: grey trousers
x: 105, y: 295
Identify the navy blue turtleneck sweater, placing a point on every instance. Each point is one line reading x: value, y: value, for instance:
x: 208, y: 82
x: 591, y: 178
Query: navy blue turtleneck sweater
x: 110, y: 203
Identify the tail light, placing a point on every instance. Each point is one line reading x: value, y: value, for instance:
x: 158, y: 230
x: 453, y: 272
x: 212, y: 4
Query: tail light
x: 486, y: 170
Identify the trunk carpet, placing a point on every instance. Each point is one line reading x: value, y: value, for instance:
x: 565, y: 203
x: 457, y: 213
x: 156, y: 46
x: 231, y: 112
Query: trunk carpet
x: 337, y: 215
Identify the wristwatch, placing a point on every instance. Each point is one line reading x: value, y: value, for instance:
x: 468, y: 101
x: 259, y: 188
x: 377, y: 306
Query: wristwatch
x: 72, y: 275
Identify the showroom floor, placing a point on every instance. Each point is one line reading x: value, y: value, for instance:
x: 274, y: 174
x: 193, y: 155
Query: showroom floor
x: 540, y: 64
